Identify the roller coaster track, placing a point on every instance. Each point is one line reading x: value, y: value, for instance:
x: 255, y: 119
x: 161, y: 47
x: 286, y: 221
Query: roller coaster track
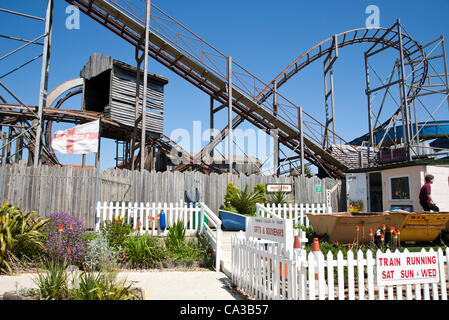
x: 186, y: 54
x: 413, y: 53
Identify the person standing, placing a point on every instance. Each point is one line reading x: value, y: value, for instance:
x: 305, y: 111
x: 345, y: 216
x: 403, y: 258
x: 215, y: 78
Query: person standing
x: 424, y: 195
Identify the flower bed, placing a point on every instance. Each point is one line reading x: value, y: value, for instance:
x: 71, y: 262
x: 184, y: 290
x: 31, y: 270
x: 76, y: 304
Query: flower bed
x: 52, y: 245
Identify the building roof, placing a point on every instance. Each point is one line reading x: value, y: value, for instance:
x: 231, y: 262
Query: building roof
x: 421, y: 162
x: 100, y: 62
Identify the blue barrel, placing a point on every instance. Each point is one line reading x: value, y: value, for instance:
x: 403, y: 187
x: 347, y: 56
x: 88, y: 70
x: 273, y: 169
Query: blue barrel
x: 162, y: 223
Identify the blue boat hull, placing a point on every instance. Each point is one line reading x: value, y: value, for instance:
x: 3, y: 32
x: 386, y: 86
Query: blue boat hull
x: 232, y: 221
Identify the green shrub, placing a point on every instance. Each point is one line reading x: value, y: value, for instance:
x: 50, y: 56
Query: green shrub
x: 53, y: 283
x: 100, y: 255
x: 143, y: 250
x: 89, y: 285
x: 18, y: 231
x: 207, y: 257
x: 116, y: 232
x: 102, y: 285
x: 310, y: 234
x: 176, y: 236
x: 260, y: 188
x: 244, y: 201
x: 279, y: 197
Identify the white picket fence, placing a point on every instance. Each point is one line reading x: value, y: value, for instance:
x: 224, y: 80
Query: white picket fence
x: 145, y: 218
x: 296, y: 212
x: 263, y: 271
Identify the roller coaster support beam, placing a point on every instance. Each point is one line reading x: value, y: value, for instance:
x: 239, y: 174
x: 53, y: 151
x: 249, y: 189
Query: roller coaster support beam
x: 300, y: 126
x: 230, y: 137
x: 144, y: 97
x: 329, y: 82
x: 445, y: 69
x: 137, y: 119
x: 276, y: 140
x: 44, y: 81
x: 368, y: 95
x: 404, y: 102
x: 212, y: 113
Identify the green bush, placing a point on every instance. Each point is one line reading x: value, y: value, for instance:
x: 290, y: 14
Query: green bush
x: 19, y: 231
x: 100, y: 255
x: 116, y: 232
x: 207, y: 257
x: 53, y: 283
x: 176, y: 236
x: 143, y: 250
x: 89, y: 285
x: 244, y: 201
x: 102, y: 285
x: 279, y: 197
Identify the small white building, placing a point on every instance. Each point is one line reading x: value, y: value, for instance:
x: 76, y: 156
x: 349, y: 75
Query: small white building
x: 397, y: 186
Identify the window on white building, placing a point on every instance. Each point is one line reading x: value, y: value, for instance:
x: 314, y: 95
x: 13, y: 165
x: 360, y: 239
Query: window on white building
x: 400, y: 188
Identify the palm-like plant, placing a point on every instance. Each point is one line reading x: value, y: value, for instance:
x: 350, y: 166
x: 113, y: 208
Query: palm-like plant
x: 279, y: 197
x: 53, y: 283
x: 102, y: 285
x: 245, y: 201
x: 17, y: 227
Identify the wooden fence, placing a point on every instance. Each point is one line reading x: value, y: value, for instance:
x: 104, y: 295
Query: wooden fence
x: 49, y: 189
x: 264, y: 271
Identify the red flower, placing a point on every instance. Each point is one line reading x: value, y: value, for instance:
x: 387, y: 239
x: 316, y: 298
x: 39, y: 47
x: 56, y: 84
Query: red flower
x: 70, y: 227
x: 395, y: 234
x: 370, y: 231
x: 68, y: 250
x: 60, y: 227
x: 357, y: 228
x: 384, y: 227
x: 391, y: 229
x: 382, y: 236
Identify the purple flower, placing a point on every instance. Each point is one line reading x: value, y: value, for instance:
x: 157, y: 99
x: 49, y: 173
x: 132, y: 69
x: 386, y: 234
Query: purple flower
x: 58, y: 241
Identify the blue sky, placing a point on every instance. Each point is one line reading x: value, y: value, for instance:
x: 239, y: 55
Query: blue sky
x: 262, y: 36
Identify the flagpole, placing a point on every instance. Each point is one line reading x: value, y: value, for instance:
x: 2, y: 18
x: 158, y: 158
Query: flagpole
x: 97, y: 163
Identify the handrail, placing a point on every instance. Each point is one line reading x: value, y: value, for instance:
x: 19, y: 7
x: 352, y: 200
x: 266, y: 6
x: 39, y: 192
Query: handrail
x: 214, y: 237
x: 268, y: 212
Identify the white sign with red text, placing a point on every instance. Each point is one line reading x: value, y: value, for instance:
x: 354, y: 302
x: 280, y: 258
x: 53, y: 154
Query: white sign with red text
x: 276, y: 230
x: 279, y: 187
x: 395, y: 268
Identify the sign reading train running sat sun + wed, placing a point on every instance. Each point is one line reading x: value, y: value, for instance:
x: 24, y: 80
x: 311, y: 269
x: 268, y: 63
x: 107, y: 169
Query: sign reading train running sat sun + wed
x: 394, y: 268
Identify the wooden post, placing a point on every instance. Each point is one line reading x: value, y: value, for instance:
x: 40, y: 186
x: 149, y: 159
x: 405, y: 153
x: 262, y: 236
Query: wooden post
x: 144, y: 98
x: 44, y: 81
x: 97, y: 166
x: 230, y: 156
x: 277, y: 169
x: 300, y: 120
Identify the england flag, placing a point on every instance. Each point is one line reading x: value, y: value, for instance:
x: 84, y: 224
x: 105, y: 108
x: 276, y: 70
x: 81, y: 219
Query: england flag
x: 81, y: 139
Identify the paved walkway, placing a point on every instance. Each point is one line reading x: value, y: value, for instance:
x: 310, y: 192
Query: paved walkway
x: 158, y: 285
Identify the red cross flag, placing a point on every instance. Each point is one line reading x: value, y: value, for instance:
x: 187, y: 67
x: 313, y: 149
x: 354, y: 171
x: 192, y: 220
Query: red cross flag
x: 81, y: 139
